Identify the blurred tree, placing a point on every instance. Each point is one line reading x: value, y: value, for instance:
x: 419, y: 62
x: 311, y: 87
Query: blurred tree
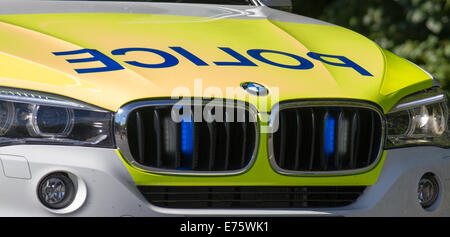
x: 418, y: 30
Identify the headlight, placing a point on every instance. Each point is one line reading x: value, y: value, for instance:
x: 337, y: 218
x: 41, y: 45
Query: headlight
x: 419, y: 119
x: 40, y: 118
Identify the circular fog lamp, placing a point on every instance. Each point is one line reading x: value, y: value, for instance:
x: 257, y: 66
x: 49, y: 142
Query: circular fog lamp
x: 428, y: 190
x: 56, y: 191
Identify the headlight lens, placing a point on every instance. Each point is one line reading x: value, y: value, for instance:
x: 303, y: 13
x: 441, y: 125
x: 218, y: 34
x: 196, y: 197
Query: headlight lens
x: 40, y: 118
x: 419, y: 119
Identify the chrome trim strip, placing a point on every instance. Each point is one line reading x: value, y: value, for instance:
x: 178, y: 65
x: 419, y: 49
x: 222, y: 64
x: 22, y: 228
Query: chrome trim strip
x: 120, y: 133
x: 426, y: 97
x: 323, y: 103
x: 416, y: 103
x: 18, y: 95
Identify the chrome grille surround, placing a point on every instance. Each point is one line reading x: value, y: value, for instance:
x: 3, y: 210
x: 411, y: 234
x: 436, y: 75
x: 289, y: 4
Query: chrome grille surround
x: 120, y: 133
x: 323, y: 103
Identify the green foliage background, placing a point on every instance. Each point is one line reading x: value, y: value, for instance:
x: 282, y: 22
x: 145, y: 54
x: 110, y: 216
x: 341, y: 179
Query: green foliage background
x: 418, y: 30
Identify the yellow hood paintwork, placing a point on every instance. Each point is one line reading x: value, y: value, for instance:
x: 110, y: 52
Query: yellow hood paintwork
x: 27, y: 60
x: 27, y: 43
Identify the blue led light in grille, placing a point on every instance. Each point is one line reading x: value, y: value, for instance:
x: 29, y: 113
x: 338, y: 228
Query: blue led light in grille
x: 330, y: 122
x: 187, y: 137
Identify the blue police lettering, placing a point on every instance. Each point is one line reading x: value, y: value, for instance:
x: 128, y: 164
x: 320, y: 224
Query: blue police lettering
x: 188, y: 55
x: 240, y: 60
x: 345, y: 62
x: 169, y: 59
x: 110, y: 64
x: 304, y: 63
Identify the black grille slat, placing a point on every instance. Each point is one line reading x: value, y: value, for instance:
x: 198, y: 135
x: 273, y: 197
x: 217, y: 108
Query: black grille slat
x: 251, y: 197
x: 244, y: 141
x: 209, y: 145
x: 322, y: 161
x: 283, y: 144
x: 372, y: 136
x: 227, y: 144
x: 157, y: 128
x: 212, y: 145
x: 338, y: 155
x: 313, y: 141
x: 140, y: 136
x: 332, y: 138
x: 298, y: 139
x: 354, y: 140
x: 196, y: 148
x: 177, y: 162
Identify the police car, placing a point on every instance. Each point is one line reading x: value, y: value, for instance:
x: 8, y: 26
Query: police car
x: 224, y: 108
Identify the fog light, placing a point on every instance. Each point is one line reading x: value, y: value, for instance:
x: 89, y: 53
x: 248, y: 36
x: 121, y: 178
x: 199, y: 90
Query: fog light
x: 428, y: 190
x: 56, y: 191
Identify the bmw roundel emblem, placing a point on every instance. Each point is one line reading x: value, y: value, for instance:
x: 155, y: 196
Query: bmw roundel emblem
x: 255, y: 88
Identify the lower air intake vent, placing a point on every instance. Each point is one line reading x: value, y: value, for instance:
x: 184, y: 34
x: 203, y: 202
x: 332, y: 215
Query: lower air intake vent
x: 202, y: 139
x: 251, y: 197
x: 325, y: 138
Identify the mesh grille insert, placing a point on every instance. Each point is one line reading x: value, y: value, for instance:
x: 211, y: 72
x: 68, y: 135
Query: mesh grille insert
x: 251, y: 197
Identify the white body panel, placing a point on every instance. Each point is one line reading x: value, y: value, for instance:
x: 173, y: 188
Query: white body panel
x: 107, y: 189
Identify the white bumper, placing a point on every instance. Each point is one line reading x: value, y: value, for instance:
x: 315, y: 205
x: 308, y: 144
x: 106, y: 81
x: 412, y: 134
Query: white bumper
x: 107, y: 189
